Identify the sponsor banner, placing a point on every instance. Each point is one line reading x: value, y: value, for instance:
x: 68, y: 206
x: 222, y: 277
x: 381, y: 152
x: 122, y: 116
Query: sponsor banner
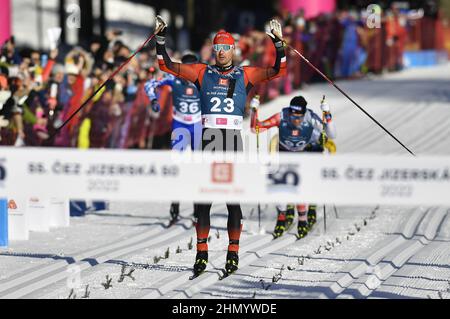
x: 17, y: 219
x: 245, y: 178
x: 38, y: 214
x: 222, y: 121
x: 187, y: 118
x: 59, y: 212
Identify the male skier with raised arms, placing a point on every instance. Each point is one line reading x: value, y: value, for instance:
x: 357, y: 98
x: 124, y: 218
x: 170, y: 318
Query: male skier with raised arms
x: 223, y: 91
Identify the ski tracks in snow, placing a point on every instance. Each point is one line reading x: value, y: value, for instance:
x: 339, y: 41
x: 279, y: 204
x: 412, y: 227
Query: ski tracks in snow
x: 32, y: 280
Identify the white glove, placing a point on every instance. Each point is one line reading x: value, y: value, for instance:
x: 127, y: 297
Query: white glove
x: 149, y: 88
x: 255, y: 103
x: 325, y: 107
x: 160, y: 26
x: 276, y: 32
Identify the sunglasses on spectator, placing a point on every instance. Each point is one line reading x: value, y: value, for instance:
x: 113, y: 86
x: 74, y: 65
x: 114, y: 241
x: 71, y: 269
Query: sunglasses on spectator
x: 223, y: 47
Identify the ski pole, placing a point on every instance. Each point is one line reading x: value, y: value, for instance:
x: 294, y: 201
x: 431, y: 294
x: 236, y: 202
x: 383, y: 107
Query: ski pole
x: 257, y: 151
x: 104, y: 84
x: 348, y: 97
x: 324, y: 125
x: 323, y: 141
x: 335, y: 212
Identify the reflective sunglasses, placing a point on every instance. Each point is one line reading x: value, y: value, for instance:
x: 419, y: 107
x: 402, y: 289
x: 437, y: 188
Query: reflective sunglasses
x: 296, y: 117
x: 222, y: 47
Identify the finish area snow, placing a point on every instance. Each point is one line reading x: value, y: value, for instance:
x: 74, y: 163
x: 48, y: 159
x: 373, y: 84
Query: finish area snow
x: 364, y: 252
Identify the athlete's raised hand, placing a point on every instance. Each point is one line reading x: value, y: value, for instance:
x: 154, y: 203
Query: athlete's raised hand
x: 276, y: 32
x: 254, y: 103
x: 149, y: 88
x: 325, y: 107
x: 160, y: 27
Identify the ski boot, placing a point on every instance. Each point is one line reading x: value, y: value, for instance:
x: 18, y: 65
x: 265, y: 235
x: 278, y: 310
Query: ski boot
x: 232, y: 262
x: 290, y: 216
x: 201, y: 261
x: 303, y: 229
x: 281, y: 225
x: 312, y: 215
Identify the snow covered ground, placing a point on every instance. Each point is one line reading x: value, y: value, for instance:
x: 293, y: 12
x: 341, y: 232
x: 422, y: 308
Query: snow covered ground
x: 364, y: 252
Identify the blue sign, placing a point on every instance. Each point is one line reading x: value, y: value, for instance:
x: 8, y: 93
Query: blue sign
x: 3, y: 223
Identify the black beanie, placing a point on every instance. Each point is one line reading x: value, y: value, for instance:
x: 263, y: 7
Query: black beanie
x: 298, y: 104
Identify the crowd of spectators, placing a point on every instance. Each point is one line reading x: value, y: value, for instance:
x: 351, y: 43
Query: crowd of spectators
x: 40, y: 90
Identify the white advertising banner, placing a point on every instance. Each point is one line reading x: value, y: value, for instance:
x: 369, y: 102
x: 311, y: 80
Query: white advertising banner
x: 202, y: 177
x: 38, y: 214
x: 17, y: 219
x: 59, y: 212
